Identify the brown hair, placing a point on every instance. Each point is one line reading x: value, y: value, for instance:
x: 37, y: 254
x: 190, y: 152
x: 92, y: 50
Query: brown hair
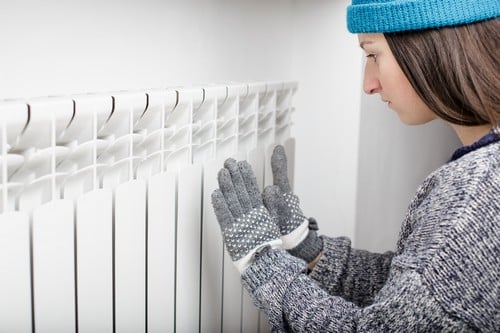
x: 454, y: 70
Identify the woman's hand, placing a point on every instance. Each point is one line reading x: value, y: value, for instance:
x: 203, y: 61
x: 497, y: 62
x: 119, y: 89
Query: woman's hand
x: 297, y: 232
x: 245, y: 223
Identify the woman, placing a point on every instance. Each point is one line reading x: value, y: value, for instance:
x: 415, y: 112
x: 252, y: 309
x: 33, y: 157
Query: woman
x: 427, y: 59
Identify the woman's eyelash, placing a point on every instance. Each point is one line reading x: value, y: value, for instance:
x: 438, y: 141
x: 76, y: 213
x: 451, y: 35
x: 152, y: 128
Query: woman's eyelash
x: 371, y: 55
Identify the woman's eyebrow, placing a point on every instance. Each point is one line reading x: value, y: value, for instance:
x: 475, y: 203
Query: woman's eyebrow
x: 362, y: 44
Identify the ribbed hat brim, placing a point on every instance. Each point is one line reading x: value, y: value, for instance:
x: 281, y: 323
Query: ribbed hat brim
x: 378, y: 16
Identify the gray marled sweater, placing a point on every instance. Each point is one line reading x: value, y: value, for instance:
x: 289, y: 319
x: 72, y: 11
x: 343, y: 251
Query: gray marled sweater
x: 442, y: 277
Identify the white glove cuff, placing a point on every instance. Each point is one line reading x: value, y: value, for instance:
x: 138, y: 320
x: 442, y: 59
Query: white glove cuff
x: 243, y: 263
x: 294, y: 238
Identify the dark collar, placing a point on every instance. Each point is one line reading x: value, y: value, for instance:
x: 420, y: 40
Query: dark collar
x: 491, y: 137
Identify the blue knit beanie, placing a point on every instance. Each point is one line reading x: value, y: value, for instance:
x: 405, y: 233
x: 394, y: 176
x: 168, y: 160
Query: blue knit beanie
x: 380, y: 16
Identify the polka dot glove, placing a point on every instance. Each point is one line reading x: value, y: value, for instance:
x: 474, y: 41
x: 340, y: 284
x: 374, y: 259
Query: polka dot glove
x: 245, y: 223
x: 297, y: 232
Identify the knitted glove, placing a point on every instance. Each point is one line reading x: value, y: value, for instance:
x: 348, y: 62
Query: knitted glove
x: 245, y: 223
x: 297, y: 232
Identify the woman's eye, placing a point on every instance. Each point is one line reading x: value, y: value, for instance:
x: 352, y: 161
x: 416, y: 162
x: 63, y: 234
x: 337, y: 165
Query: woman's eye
x: 373, y: 56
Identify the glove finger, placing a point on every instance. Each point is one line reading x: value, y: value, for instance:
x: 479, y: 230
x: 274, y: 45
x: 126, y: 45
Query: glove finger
x: 275, y: 203
x: 280, y: 169
x: 222, y: 212
x: 239, y: 185
x: 227, y: 189
x: 270, y: 198
x: 250, y: 184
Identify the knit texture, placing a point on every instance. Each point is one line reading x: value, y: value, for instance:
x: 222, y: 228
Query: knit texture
x: 382, y: 16
x: 442, y: 277
x: 309, y: 248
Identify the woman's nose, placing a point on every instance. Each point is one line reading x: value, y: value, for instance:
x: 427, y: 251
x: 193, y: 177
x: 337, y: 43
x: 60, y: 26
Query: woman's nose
x: 371, y: 84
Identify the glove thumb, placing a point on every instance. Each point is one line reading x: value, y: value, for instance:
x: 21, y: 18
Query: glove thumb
x: 280, y: 169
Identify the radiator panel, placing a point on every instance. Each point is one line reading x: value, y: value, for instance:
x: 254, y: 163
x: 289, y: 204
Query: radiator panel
x: 161, y: 252
x: 211, y: 255
x: 187, y: 281
x: 15, y: 272
x: 54, y: 267
x: 94, y: 228
x: 130, y: 256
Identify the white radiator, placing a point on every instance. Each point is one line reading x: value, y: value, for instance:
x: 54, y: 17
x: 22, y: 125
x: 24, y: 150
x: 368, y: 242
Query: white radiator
x: 106, y: 223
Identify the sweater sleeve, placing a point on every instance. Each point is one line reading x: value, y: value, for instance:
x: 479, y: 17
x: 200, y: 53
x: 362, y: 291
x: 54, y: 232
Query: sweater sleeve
x: 279, y: 286
x: 356, y: 275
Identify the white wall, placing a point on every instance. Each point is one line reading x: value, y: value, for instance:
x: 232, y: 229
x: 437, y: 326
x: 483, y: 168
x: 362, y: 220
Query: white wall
x: 54, y: 47
x: 393, y: 160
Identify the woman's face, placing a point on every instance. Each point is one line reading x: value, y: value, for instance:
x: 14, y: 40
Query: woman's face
x: 384, y: 76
